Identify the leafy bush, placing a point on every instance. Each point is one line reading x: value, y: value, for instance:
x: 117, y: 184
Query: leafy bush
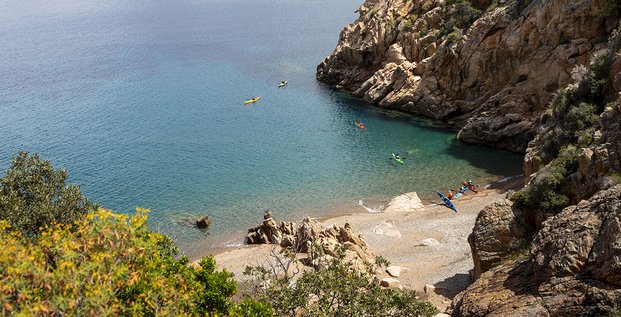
x: 610, y: 9
x: 33, y: 195
x: 108, y: 264
x: 336, y: 289
x: 463, y: 14
x: 573, y: 115
x: 547, y: 191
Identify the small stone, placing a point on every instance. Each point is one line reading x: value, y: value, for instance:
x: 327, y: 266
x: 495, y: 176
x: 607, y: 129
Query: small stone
x: 393, y: 271
x: 390, y: 282
x: 267, y: 214
x: 430, y: 242
x: 203, y: 223
x: 428, y: 288
x: 441, y: 315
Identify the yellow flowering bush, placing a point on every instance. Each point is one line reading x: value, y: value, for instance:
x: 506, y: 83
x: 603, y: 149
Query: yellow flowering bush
x: 108, y: 264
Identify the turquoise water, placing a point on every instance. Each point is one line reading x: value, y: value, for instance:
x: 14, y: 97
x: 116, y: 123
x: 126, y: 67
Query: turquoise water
x: 142, y: 102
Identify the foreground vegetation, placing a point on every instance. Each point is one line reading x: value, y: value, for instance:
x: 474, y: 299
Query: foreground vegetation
x: 60, y: 254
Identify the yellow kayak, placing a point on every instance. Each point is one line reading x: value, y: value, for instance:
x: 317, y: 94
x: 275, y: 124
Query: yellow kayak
x: 249, y: 101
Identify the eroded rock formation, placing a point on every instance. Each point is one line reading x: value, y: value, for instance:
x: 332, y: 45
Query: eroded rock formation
x: 310, y: 233
x: 574, y: 267
x: 498, y: 232
x: 488, y: 67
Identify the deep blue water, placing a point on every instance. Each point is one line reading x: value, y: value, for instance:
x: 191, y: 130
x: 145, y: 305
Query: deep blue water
x: 141, y: 101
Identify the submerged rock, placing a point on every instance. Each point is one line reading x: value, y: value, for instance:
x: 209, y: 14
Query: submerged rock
x: 204, y: 222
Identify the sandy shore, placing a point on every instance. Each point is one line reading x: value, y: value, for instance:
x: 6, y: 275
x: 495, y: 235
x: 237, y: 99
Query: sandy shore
x: 445, y: 266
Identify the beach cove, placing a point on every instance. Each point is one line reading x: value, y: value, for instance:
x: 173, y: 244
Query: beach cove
x: 429, y: 245
x: 143, y: 104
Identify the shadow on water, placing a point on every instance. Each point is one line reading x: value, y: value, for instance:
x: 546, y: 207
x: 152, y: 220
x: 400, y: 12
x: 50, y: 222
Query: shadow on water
x: 491, y: 160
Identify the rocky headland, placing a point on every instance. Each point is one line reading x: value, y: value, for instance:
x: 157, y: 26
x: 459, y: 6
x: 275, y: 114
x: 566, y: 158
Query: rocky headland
x: 488, y: 68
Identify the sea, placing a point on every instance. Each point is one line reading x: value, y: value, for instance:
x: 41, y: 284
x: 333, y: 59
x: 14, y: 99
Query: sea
x: 142, y: 103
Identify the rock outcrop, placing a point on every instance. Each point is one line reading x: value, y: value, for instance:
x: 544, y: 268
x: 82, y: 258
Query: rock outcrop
x: 488, y: 68
x: 574, y: 267
x: 568, y: 215
x: 498, y: 232
x: 308, y: 234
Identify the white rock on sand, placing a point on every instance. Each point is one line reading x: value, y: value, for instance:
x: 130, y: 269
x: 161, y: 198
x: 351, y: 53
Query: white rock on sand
x: 404, y: 203
x: 393, y: 270
x: 388, y: 229
x: 430, y: 242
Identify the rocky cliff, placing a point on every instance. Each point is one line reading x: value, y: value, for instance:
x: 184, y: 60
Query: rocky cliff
x: 553, y: 249
x: 486, y: 67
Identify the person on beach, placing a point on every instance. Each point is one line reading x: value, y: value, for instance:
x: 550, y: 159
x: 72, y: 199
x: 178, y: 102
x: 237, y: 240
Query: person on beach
x: 450, y: 194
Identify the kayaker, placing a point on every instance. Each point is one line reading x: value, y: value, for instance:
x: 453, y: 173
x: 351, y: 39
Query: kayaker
x: 398, y: 157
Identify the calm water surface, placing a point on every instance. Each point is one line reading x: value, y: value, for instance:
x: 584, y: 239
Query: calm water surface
x: 142, y: 102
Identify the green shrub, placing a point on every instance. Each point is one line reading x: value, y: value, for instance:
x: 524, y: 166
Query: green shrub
x: 463, y: 14
x: 547, y: 191
x: 610, y: 9
x: 34, y: 195
x: 336, y: 289
x: 107, y: 264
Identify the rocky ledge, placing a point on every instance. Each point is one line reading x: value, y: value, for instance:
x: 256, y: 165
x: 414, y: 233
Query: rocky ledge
x: 487, y: 67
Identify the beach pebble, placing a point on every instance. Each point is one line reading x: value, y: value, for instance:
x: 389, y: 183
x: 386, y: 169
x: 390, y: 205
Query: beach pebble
x: 428, y: 288
x: 430, y: 242
x: 390, y: 282
x: 394, y: 271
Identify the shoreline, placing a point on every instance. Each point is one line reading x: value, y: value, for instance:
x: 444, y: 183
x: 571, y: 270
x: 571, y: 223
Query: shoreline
x: 235, y: 240
x: 445, y: 266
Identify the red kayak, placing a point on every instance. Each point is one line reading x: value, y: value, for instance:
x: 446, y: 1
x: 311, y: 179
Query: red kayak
x: 470, y: 186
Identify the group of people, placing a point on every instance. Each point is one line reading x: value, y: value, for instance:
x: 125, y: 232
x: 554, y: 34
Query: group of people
x: 467, y: 185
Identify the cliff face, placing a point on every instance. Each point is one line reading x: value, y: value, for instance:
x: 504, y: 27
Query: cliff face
x: 572, y: 269
x: 566, y: 222
x: 488, y: 68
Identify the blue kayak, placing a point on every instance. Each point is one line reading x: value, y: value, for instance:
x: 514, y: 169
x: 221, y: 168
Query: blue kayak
x: 447, y: 201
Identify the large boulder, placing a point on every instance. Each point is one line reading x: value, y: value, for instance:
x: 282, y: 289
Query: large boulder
x: 497, y: 233
x: 573, y: 269
x: 404, y: 203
